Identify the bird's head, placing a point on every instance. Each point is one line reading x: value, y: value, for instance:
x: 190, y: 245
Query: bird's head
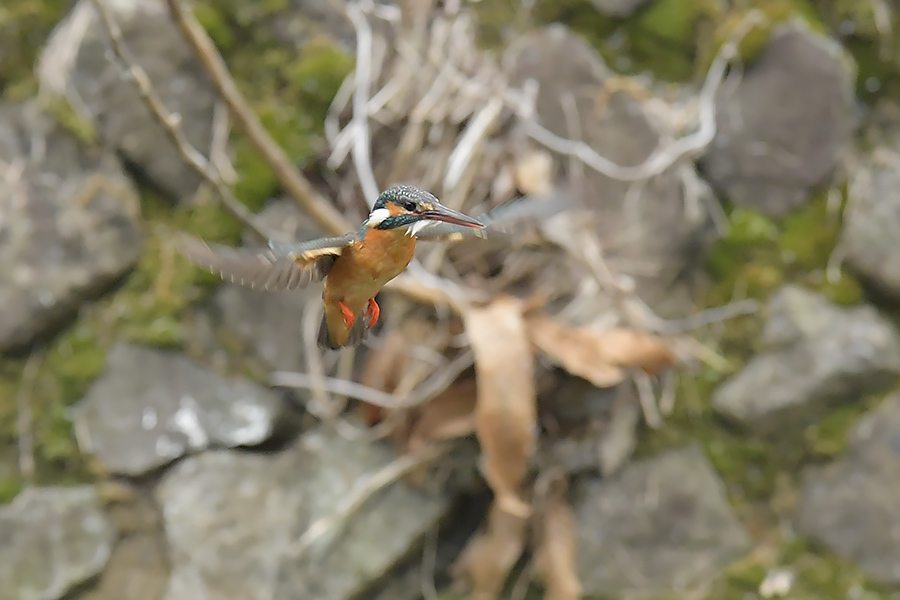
x: 412, y: 208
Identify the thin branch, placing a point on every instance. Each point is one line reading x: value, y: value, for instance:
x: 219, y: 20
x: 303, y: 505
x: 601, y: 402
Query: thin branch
x: 356, y: 498
x: 172, y: 124
x: 360, y: 120
x: 333, y: 385
x: 294, y: 183
x: 440, y: 380
x: 665, y: 156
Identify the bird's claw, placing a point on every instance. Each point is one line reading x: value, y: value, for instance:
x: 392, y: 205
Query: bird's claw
x: 349, y: 319
x: 373, y: 311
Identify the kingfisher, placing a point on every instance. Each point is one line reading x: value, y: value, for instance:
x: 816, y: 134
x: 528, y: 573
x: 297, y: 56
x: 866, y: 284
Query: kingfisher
x: 354, y: 266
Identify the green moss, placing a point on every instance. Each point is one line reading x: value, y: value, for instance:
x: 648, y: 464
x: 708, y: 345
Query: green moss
x: 663, y: 37
x: 65, y: 115
x: 216, y: 25
x: 10, y: 487
x: 24, y: 25
x: 758, y: 254
x: 68, y: 366
x: 580, y: 15
x: 290, y: 91
x: 817, y: 574
x: 774, y: 12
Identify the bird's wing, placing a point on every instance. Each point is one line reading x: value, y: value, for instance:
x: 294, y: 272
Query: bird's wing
x: 502, y: 219
x: 283, y: 266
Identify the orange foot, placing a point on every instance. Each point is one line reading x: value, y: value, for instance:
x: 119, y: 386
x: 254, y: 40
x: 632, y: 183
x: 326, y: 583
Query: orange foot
x: 373, y: 311
x: 349, y: 319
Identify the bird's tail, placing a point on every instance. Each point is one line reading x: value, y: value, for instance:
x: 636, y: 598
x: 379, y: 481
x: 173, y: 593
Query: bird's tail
x: 336, y: 335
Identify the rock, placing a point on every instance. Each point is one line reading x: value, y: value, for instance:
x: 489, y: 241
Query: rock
x: 619, y: 8
x: 232, y: 519
x: 815, y: 356
x: 872, y: 223
x: 656, y: 227
x: 69, y: 227
x: 268, y: 325
x: 151, y: 407
x: 667, y: 516
x: 786, y: 126
x: 78, y: 63
x: 51, y: 540
x: 850, y: 506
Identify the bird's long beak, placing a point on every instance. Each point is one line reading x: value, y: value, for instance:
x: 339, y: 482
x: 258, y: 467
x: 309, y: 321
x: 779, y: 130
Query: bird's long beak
x: 441, y: 213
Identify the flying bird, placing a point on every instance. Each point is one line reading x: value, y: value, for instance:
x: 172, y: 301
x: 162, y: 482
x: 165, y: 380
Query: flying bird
x: 354, y: 266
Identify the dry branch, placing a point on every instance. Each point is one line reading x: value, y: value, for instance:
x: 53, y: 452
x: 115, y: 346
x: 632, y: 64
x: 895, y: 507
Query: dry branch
x: 356, y: 498
x: 172, y: 124
x: 294, y: 183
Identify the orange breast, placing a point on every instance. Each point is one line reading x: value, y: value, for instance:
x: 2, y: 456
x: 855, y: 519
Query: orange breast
x: 366, y: 266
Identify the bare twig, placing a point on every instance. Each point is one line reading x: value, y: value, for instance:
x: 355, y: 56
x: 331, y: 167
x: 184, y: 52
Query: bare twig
x: 440, y: 380
x: 294, y: 183
x: 360, y: 124
x: 356, y: 498
x: 334, y: 386
x: 648, y: 400
x: 172, y: 124
x: 666, y: 155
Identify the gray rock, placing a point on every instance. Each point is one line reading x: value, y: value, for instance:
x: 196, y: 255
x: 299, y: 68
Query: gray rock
x: 656, y: 228
x: 618, y: 8
x: 52, y: 539
x: 96, y: 87
x: 850, y: 506
x: 151, y: 407
x: 785, y: 127
x: 815, y: 356
x: 231, y: 519
x: 69, y: 226
x: 872, y: 223
x: 659, y: 527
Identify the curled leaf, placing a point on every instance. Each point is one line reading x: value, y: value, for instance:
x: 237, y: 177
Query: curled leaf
x: 450, y: 415
x: 506, y: 412
x: 598, y: 357
x: 557, y: 546
x: 485, y: 563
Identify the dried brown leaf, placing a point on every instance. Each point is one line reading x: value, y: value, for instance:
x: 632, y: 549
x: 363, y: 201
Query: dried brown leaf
x: 557, y: 547
x: 629, y: 348
x: 598, y: 357
x: 506, y: 412
x: 449, y: 415
x: 485, y: 563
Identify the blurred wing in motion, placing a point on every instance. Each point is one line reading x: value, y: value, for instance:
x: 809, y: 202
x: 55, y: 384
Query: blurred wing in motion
x: 502, y: 219
x: 284, y: 266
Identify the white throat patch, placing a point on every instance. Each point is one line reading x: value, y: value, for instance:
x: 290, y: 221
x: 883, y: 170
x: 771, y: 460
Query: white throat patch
x: 377, y: 217
x: 418, y: 226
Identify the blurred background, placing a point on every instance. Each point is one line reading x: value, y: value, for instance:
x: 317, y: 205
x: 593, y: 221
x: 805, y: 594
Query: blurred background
x: 686, y: 374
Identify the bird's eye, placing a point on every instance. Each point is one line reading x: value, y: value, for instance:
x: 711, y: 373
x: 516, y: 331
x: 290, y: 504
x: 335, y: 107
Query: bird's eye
x: 409, y: 205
